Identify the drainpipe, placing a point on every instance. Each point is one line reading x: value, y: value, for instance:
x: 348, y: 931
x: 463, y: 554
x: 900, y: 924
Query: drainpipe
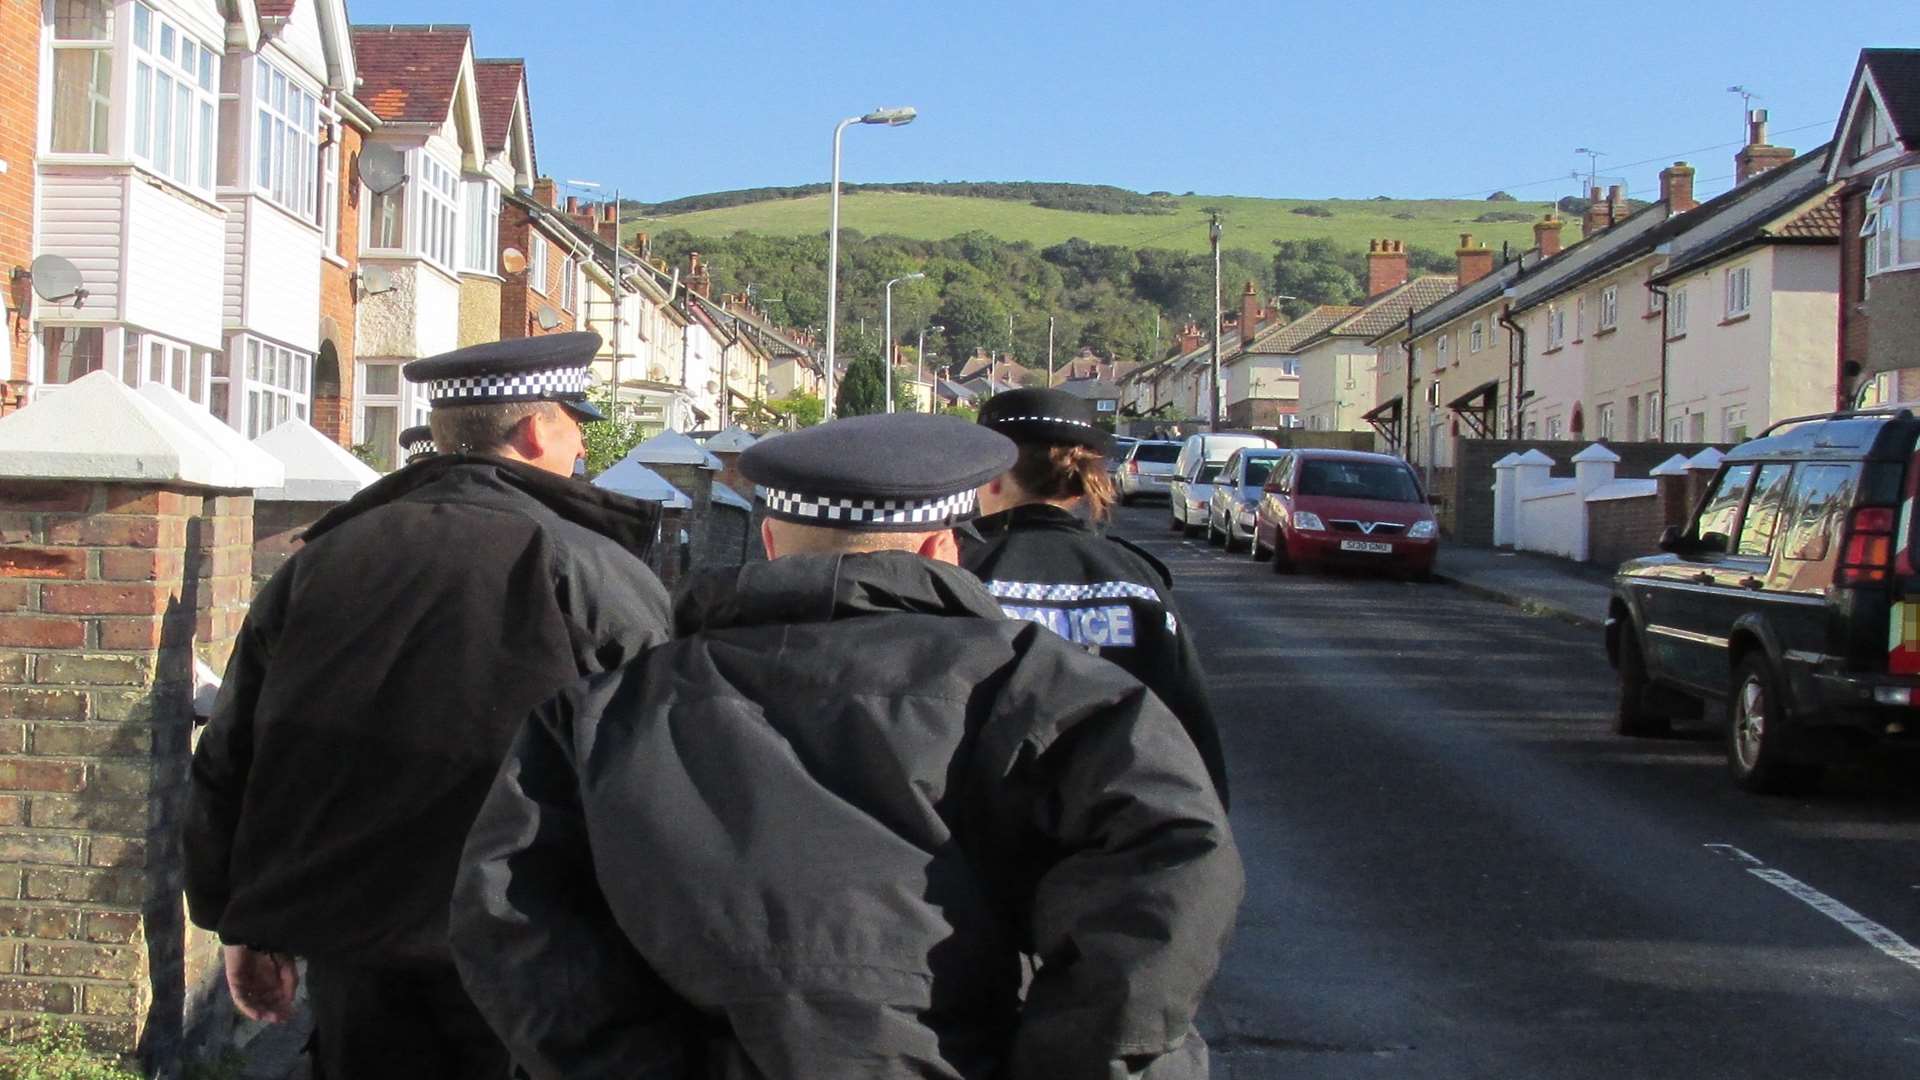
x: 1516, y: 366
x: 1660, y: 425
x: 1406, y: 400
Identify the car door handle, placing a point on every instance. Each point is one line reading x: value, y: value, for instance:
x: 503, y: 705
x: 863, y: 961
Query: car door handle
x: 1703, y: 578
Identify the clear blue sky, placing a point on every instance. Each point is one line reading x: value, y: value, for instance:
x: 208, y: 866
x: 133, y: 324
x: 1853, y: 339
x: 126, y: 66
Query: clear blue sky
x: 1306, y: 99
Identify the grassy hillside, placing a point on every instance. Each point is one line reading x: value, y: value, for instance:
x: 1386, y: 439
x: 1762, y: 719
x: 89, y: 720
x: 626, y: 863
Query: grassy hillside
x: 1251, y: 224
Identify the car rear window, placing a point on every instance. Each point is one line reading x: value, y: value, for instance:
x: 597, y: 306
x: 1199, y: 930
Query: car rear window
x: 1376, y: 480
x: 1257, y: 470
x: 1163, y: 453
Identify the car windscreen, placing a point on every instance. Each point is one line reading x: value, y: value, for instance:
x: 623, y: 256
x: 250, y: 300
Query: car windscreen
x: 1357, y: 480
x: 1257, y: 470
x: 1162, y: 453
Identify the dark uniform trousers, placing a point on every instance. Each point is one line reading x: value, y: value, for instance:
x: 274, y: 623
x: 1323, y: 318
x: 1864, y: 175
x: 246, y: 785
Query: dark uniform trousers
x: 409, y: 1024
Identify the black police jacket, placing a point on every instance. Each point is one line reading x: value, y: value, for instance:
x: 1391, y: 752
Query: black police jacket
x: 1045, y: 565
x: 816, y: 837
x: 375, y: 686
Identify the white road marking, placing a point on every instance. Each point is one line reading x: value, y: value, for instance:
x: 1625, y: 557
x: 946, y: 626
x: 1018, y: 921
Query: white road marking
x: 1890, y: 944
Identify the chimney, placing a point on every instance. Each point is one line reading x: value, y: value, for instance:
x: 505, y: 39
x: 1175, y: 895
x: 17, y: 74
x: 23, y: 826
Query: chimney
x: 609, y: 232
x: 1190, y: 337
x: 1676, y: 188
x: 1596, y: 213
x: 543, y: 192
x: 1616, y: 204
x: 697, y: 279
x: 1546, y: 235
x: 1758, y: 156
x: 1249, y: 314
x: 1386, y: 266
x: 573, y: 206
x: 1472, y: 261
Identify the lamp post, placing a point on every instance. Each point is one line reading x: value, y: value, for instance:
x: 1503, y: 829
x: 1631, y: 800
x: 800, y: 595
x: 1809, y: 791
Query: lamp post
x: 890, y: 117
x: 920, y: 359
x: 1213, y: 354
x: 887, y: 350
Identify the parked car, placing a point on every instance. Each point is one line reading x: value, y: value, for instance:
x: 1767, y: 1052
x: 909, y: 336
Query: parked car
x: 1117, y: 457
x: 1148, y: 469
x: 1236, y: 496
x: 1787, y: 608
x: 1345, y: 507
x: 1201, y: 458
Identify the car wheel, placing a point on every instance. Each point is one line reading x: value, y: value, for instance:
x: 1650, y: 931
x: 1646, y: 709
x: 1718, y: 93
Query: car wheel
x: 1178, y: 525
x: 1281, y: 564
x: 1228, y: 541
x: 1260, y: 554
x: 1213, y: 534
x: 1632, y: 716
x: 1756, y: 733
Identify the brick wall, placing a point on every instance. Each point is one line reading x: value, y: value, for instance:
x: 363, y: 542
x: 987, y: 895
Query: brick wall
x: 696, y: 481
x: 19, y: 92
x: 333, y: 412
x: 1260, y: 412
x: 1622, y: 529
x: 106, y: 594
x: 730, y: 475
x: 1471, y: 491
x: 727, y: 540
x: 522, y: 298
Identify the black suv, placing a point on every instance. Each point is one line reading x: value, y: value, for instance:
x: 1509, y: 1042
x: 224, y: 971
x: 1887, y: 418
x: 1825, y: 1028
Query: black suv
x: 1790, y: 600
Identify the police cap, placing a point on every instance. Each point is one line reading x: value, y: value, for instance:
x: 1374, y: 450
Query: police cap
x: 551, y: 367
x: 417, y: 442
x: 1046, y: 416
x: 899, y: 472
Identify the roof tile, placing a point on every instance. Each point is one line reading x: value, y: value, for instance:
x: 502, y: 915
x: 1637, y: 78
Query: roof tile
x: 1288, y: 337
x: 1896, y: 73
x: 408, y: 73
x: 497, y: 84
x: 1389, y: 309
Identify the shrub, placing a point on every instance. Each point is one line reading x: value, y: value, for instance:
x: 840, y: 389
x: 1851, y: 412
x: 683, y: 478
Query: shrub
x: 1503, y: 215
x: 1312, y: 211
x: 59, y: 1052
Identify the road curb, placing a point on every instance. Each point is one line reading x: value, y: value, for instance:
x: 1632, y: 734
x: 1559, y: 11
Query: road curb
x: 1526, y: 604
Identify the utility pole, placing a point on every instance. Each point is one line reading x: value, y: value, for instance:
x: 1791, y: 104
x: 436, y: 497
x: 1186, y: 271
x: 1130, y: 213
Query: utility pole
x: 1213, y: 360
x: 1050, y: 350
x: 618, y: 307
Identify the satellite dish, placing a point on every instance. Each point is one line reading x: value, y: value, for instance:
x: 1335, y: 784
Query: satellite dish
x: 375, y: 280
x: 55, y: 279
x: 548, y: 318
x: 512, y: 260
x: 381, y: 168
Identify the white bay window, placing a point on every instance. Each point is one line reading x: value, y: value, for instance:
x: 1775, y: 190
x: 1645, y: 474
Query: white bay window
x: 82, y: 76
x: 286, y: 149
x: 438, y: 220
x: 481, y: 251
x: 175, y: 81
x: 276, y: 386
x: 1892, y: 226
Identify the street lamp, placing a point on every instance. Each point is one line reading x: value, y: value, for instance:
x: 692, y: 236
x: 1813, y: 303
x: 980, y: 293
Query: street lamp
x: 889, y: 117
x: 920, y: 358
x: 888, y: 349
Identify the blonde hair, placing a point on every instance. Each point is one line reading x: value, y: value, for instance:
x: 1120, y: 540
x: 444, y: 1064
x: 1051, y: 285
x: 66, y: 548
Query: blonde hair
x: 1048, y: 471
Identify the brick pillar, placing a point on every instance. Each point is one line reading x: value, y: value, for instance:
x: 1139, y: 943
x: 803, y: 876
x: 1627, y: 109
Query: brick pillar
x: 697, y: 482
x: 107, y: 593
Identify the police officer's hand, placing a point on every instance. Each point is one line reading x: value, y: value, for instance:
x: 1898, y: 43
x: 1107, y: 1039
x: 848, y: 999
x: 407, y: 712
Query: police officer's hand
x: 262, y: 983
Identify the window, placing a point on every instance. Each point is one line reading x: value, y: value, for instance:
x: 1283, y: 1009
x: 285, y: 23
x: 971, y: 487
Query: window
x: 328, y: 212
x: 1440, y: 359
x: 286, y: 150
x: 1820, y: 492
x: 1416, y: 359
x: 1291, y: 366
x: 1553, y: 427
x: 1556, y: 326
x: 1714, y: 527
x: 537, y: 262
x: 1764, y: 509
x: 480, y: 254
x: 1733, y: 423
x: 1609, y: 307
x: 1653, y: 417
x: 1604, y: 420
x: 175, y: 86
x: 569, y: 272
x: 1677, y: 313
x: 1477, y: 337
x: 276, y: 385
x: 1697, y: 426
x: 1739, y: 291
x: 1893, y: 222
x: 1873, y: 130
x: 1654, y: 302
x: 82, y: 75
x: 439, y: 211
x: 1677, y: 430
x: 69, y: 352
x: 385, y: 227
x: 1579, y: 318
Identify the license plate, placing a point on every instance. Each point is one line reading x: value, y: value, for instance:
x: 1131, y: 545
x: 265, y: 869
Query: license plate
x: 1371, y: 547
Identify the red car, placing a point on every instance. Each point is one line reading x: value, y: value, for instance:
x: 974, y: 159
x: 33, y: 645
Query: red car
x: 1347, y: 508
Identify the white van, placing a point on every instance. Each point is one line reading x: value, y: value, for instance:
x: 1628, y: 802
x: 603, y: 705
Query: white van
x: 1200, y: 460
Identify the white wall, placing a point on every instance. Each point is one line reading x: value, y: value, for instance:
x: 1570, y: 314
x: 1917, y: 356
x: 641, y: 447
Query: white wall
x: 1557, y: 379
x: 80, y: 217
x: 1325, y: 371
x: 1806, y: 328
x: 1261, y: 376
x: 175, y: 259
x: 282, y: 277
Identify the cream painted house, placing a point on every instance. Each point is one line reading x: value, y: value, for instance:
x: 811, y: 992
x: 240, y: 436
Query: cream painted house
x: 1339, y: 376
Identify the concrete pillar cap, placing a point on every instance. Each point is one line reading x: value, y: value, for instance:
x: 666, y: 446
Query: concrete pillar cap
x: 1706, y: 459
x: 261, y: 469
x: 95, y: 428
x: 1534, y: 457
x: 1596, y: 453
x: 1673, y: 466
x: 317, y: 469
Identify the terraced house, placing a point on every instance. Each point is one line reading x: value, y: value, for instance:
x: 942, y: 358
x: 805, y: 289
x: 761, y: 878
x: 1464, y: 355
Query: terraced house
x: 1338, y: 377
x: 1876, y: 159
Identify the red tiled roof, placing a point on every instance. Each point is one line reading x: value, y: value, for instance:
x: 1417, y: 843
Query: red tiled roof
x: 408, y: 73
x: 1821, y: 221
x: 498, y: 84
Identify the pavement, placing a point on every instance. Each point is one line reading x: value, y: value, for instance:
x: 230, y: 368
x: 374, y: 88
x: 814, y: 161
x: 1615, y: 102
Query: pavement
x: 1540, y: 584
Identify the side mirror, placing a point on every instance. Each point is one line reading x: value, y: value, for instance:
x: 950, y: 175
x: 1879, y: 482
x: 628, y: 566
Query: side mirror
x: 1672, y: 538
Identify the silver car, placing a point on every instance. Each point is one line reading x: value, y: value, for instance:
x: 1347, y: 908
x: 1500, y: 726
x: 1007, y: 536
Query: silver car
x: 1236, y: 496
x: 1148, y: 469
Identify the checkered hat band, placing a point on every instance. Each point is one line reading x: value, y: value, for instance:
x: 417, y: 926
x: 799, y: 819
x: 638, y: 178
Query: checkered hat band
x: 549, y: 385
x: 824, y: 510
x: 1041, y: 419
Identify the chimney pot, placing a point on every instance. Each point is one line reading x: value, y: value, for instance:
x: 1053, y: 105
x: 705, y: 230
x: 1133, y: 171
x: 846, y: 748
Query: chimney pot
x: 1546, y: 236
x: 1386, y: 266
x: 573, y: 204
x: 1676, y: 188
x: 1472, y: 261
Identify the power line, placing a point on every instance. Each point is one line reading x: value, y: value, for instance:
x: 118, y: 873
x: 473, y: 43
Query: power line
x: 1634, y: 164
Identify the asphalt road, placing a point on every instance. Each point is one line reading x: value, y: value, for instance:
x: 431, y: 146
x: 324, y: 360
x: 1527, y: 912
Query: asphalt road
x: 1454, y: 870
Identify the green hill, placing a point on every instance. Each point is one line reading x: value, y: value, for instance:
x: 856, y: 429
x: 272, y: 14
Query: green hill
x: 1250, y: 224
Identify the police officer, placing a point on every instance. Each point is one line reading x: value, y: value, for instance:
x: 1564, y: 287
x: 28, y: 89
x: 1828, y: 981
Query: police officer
x: 1041, y: 559
x: 417, y: 442
x: 372, y: 694
x: 814, y: 837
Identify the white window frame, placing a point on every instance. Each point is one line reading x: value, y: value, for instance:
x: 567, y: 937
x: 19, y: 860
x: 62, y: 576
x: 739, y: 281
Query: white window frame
x: 171, y: 63
x: 44, y: 360
x: 389, y: 454
x: 569, y: 284
x: 1677, y: 429
x: 1556, y: 326
x: 1441, y: 347
x: 1580, y: 318
x: 1654, y: 417
x: 96, y: 130
x: 1677, y: 312
x: 1553, y: 427
x: 329, y: 208
x: 437, y: 212
x: 537, y: 262
x: 391, y: 205
x: 1892, y: 226
x: 275, y: 385
x: 1603, y: 421
x: 1609, y: 307
x: 1739, y: 291
x: 1732, y: 418
x: 480, y: 239
x: 285, y: 116
x: 1477, y: 337
x: 1416, y: 359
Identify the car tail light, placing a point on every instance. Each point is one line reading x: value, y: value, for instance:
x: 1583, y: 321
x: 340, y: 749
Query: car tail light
x: 1133, y: 467
x: 1869, y: 546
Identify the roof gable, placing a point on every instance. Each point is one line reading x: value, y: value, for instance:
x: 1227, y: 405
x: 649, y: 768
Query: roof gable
x: 506, y: 114
x: 1896, y: 76
x: 1886, y: 84
x: 411, y: 74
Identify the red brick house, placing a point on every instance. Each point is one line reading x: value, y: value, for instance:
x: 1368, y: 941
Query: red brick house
x: 20, y: 93
x: 1876, y: 158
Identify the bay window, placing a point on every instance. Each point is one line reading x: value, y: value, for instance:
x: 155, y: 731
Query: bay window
x: 276, y: 385
x: 70, y: 352
x: 328, y: 212
x: 439, y: 212
x: 82, y: 76
x: 286, y: 149
x: 480, y: 254
x: 1892, y: 227
x: 569, y: 273
x: 175, y: 88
